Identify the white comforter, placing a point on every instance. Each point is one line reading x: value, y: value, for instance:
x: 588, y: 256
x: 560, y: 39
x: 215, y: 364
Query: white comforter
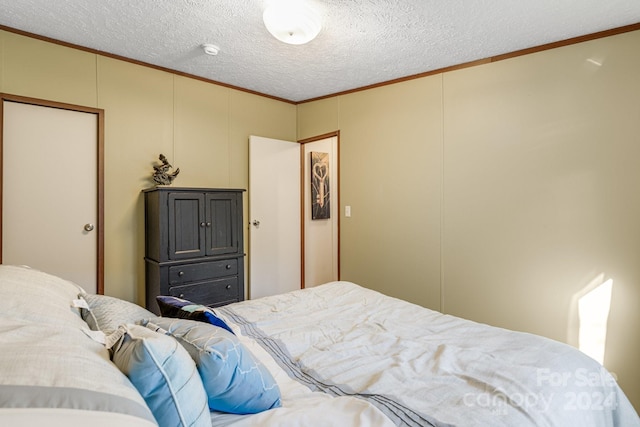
x: 364, y: 354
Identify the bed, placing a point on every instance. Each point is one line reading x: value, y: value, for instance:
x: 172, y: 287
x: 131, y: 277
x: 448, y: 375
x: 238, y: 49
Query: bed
x: 333, y: 355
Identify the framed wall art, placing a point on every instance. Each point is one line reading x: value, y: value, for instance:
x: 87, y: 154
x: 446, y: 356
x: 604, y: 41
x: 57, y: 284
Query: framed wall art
x: 320, y: 194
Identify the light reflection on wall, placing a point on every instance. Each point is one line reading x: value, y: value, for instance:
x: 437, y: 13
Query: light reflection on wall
x: 593, y: 313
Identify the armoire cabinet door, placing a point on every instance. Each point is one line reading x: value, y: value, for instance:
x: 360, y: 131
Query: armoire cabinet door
x: 187, y: 226
x: 221, y: 224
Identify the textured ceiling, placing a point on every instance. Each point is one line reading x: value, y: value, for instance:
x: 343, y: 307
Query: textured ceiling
x: 362, y: 42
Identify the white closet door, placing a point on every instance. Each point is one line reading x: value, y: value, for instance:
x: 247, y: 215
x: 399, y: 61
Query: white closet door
x: 50, y: 191
x: 274, y: 202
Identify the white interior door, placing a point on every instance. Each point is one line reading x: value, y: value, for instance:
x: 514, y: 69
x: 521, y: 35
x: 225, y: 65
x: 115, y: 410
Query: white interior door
x: 274, y: 214
x: 49, y: 210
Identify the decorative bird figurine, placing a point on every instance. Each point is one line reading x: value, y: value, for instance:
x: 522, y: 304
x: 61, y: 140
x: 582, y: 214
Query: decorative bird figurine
x: 161, y: 175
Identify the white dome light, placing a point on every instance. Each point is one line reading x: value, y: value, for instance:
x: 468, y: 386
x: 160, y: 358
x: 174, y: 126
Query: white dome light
x: 292, y: 22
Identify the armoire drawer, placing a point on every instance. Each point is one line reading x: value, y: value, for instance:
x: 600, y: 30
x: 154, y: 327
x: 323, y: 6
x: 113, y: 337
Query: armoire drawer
x: 212, y: 293
x: 196, y: 272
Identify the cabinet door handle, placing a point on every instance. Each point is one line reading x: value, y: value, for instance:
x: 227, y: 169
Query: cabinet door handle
x: 181, y: 296
x: 228, y: 286
x: 203, y: 224
x: 208, y: 224
x: 180, y: 273
x: 228, y: 267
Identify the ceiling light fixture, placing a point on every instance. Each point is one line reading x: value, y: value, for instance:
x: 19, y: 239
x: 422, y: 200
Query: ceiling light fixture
x: 210, y: 49
x: 293, y: 22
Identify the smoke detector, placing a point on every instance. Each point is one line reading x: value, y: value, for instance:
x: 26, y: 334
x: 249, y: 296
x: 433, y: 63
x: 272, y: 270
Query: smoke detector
x: 210, y: 49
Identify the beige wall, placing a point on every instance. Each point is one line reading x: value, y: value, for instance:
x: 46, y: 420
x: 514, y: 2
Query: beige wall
x: 500, y: 192
x: 390, y: 145
x: 202, y: 128
x: 495, y: 193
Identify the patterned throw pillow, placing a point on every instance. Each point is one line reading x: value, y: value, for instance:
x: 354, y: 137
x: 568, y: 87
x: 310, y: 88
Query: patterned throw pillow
x: 235, y: 381
x: 184, y: 309
x: 164, y: 374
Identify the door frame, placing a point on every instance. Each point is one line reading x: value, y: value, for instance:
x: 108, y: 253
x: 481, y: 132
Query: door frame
x: 303, y: 194
x: 99, y: 113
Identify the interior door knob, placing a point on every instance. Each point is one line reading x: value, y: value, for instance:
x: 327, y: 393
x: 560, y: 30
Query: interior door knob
x: 88, y: 227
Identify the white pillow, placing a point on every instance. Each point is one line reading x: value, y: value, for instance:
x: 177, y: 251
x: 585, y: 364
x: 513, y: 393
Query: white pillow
x: 107, y: 313
x: 35, y: 296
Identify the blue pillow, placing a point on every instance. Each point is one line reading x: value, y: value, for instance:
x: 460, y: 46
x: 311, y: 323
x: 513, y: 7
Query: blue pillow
x: 183, y: 309
x: 235, y: 381
x: 164, y: 374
